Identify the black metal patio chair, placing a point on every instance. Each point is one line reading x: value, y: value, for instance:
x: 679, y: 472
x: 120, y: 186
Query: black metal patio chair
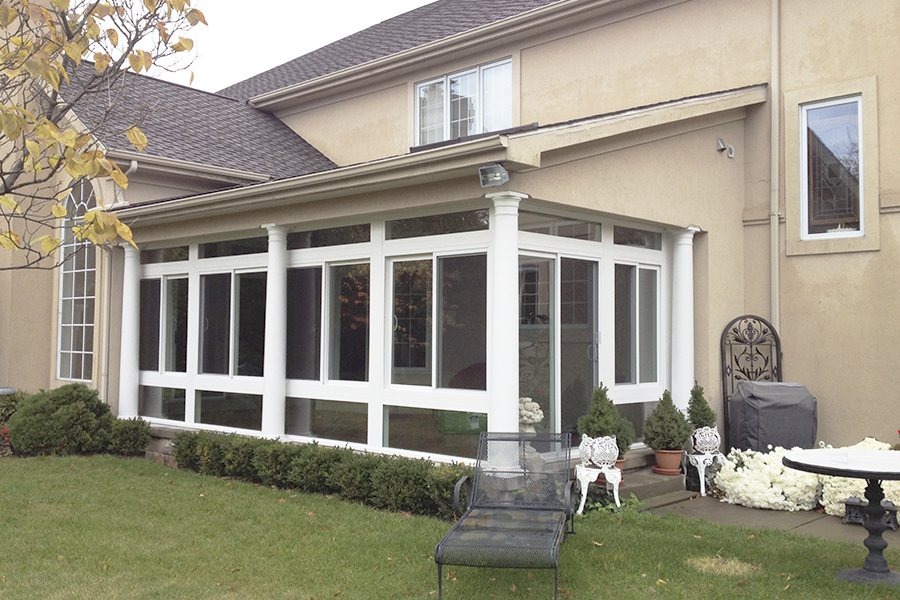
x: 519, y: 507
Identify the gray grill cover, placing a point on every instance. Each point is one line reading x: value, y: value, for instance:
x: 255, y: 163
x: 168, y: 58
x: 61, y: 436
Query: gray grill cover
x: 764, y: 413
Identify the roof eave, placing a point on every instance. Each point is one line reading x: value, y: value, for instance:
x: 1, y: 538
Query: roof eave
x: 549, y: 15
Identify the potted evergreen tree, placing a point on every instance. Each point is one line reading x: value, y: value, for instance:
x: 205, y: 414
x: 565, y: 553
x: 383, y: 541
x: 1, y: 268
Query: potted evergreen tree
x: 603, y: 419
x: 705, y: 439
x: 666, y: 431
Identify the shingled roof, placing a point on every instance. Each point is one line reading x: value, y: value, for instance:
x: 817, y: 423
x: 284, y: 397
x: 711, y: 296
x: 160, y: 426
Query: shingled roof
x: 191, y: 125
x: 423, y: 25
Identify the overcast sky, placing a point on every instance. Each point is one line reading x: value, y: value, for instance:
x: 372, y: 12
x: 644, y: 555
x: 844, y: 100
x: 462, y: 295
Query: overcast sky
x: 247, y: 37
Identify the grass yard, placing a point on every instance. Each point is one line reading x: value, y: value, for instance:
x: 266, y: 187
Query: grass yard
x: 104, y: 527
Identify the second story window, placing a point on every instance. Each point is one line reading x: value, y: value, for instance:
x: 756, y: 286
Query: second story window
x: 469, y: 102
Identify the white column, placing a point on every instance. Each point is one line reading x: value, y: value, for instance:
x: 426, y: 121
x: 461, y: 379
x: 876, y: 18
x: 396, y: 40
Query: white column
x: 683, y: 316
x: 274, y: 382
x: 503, y: 286
x: 129, y: 357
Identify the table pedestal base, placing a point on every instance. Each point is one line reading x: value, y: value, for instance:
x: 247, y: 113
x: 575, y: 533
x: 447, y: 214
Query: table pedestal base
x: 863, y: 576
x: 875, y: 569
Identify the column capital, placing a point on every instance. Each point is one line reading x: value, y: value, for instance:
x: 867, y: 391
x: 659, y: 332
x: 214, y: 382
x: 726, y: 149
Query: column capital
x: 275, y: 230
x: 506, y: 197
x: 685, y: 234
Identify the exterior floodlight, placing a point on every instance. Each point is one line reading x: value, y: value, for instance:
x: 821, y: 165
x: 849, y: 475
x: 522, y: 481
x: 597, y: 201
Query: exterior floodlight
x: 493, y: 175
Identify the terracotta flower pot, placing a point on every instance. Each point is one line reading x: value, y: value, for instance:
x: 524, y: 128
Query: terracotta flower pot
x: 668, y: 462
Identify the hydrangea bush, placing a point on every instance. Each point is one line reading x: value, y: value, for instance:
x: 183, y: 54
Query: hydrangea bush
x: 760, y: 480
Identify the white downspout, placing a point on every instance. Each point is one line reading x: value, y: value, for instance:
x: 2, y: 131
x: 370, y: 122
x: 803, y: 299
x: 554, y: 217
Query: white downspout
x: 775, y: 168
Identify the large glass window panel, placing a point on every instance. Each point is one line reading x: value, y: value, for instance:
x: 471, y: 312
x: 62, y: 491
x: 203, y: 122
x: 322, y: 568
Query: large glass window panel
x: 536, y: 341
x: 229, y: 409
x: 326, y: 419
x: 833, y: 167
x: 462, y: 351
x: 176, y: 324
x: 449, y: 432
x: 648, y: 311
x: 215, y: 323
x: 578, y: 339
x: 250, y: 334
x: 161, y: 403
x: 577, y: 229
x: 412, y: 319
x: 164, y: 255
x: 148, y: 358
x: 626, y: 324
x: 640, y: 238
x: 332, y: 236
x: 431, y: 112
x: 497, y: 97
x: 637, y: 318
x: 304, y: 322
x: 463, y: 104
x: 349, y: 322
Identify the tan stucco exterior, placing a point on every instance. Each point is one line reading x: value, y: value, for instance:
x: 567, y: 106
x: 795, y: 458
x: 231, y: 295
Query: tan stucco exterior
x: 662, y: 80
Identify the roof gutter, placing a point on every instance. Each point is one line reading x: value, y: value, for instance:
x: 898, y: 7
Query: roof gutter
x: 399, y: 171
x: 173, y: 166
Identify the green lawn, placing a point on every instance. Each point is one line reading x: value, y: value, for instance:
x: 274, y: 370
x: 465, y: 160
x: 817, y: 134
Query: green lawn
x: 106, y: 527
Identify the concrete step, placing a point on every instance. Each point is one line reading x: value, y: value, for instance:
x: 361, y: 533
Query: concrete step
x: 645, y: 484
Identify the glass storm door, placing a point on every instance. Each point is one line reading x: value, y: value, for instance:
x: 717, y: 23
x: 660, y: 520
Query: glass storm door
x: 558, y: 339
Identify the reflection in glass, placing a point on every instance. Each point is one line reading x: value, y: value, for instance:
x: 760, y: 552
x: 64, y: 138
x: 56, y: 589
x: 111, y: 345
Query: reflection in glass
x: 626, y: 324
x: 161, y: 403
x: 471, y: 220
x: 176, y: 324
x: 229, y: 409
x: 536, y: 349
x: 648, y: 324
x: 149, y: 327
x: 304, y: 316
x: 453, y: 433
x: 578, y: 339
x: 250, y: 336
x: 326, y: 419
x: 215, y: 323
x: 462, y: 351
x: 349, y: 327
x: 333, y: 236
x: 833, y: 164
x: 411, y: 362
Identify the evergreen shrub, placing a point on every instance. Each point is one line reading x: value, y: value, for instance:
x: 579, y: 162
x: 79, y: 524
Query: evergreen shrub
x: 700, y: 413
x: 68, y: 420
x: 130, y: 437
x: 603, y: 419
x: 666, y: 427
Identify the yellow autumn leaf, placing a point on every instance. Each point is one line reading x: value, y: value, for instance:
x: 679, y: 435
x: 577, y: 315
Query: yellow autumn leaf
x: 124, y: 232
x: 135, y: 62
x: 183, y: 45
x: 10, y: 240
x: 59, y: 211
x: 10, y: 204
x: 194, y: 16
x: 113, y: 37
x: 119, y: 177
x: 101, y: 61
x: 62, y: 5
x: 137, y: 138
x: 7, y: 15
x: 49, y: 245
x: 151, y: 4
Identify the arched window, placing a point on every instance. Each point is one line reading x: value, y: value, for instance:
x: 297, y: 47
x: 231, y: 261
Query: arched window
x: 76, y: 291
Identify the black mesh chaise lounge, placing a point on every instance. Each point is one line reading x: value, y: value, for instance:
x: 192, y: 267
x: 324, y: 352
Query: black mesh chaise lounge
x: 519, y: 508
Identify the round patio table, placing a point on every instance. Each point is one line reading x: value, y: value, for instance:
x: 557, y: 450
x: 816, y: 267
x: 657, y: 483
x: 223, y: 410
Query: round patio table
x: 874, y: 466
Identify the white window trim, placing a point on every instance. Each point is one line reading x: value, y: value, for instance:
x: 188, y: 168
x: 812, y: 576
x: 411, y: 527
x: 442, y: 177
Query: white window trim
x: 795, y: 244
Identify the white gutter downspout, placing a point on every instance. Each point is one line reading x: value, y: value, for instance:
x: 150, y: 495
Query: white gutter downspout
x: 775, y: 170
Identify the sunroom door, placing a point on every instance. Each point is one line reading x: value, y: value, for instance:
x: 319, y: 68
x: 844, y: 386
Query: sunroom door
x: 558, y: 337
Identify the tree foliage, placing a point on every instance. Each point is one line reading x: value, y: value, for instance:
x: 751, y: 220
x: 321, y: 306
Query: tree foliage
x: 700, y: 413
x: 57, y: 57
x: 603, y: 419
x: 666, y: 428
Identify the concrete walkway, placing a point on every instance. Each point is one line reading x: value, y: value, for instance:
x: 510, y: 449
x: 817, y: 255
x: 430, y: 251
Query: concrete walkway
x: 812, y: 523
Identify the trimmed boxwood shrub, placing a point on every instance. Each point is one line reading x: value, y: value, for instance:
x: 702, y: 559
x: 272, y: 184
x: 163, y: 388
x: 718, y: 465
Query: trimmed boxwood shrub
x: 130, y: 437
x: 387, y: 482
x: 68, y: 420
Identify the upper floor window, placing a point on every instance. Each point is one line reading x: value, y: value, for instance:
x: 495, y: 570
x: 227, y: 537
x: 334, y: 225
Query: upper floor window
x: 832, y: 168
x: 469, y: 102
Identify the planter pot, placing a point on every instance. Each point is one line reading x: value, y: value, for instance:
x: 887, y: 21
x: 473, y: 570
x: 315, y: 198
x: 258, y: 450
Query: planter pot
x: 668, y: 462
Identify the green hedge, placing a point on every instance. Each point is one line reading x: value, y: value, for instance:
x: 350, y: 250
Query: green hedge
x: 417, y: 486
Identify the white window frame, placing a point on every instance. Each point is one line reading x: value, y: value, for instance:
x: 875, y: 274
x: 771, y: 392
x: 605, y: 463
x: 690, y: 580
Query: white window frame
x: 76, y: 210
x: 479, y: 98
x: 804, y: 168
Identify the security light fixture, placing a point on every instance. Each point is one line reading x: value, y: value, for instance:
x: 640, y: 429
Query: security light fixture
x: 721, y: 146
x: 493, y: 175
